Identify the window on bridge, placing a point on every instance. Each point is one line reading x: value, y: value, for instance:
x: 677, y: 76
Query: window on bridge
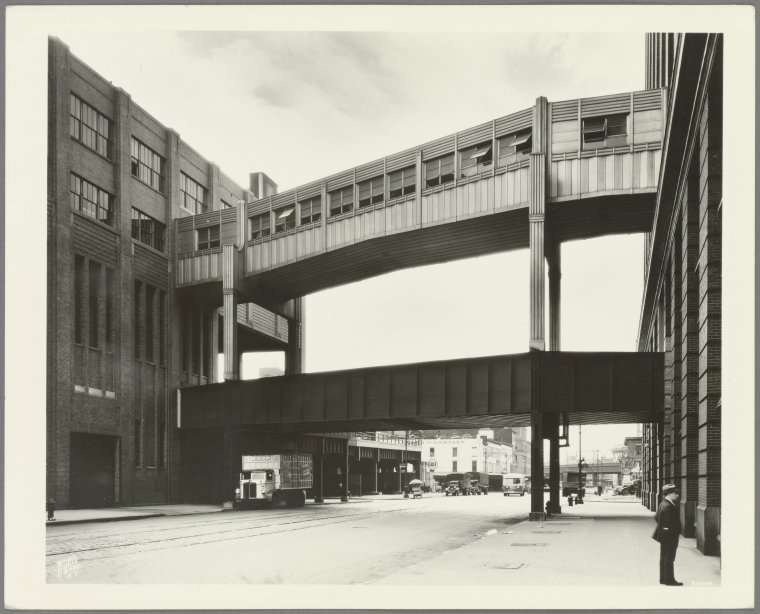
x: 605, y: 131
x: 341, y: 201
x: 284, y: 218
x: 371, y: 192
x: 260, y: 226
x: 515, y: 146
x: 311, y: 210
x: 474, y: 160
x: 402, y: 182
x: 439, y: 171
x: 208, y: 238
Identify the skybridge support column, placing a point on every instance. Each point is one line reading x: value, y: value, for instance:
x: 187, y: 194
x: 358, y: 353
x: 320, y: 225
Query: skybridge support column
x: 229, y: 288
x: 536, y: 467
x: 344, y: 488
x: 551, y: 424
x: 555, y: 278
x: 536, y: 218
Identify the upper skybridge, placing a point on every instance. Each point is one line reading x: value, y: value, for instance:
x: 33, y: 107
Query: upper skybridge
x: 588, y: 166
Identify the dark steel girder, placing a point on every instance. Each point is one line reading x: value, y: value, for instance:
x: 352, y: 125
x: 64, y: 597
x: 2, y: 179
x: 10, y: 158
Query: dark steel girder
x: 590, y: 388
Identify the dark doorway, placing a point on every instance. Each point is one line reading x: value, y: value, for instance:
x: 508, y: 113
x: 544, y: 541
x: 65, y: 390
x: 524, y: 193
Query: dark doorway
x: 93, y: 470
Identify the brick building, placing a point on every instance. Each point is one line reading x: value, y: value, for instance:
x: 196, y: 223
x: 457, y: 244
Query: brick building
x: 681, y: 312
x: 121, y: 339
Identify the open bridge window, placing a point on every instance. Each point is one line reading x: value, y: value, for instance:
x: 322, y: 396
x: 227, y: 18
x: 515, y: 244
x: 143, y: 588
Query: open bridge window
x: 514, y: 146
x: 285, y: 218
x: 474, y: 160
x: 439, y: 171
x: 605, y: 131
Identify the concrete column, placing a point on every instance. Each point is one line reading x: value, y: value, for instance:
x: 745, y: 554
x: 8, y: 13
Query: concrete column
x: 344, y: 490
x: 537, y: 467
x: 294, y: 353
x: 229, y: 274
x: 553, y: 252
x: 536, y: 213
x: 552, y: 434
x: 319, y: 472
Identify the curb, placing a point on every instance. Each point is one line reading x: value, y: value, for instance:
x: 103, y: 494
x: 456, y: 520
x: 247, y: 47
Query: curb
x: 58, y: 523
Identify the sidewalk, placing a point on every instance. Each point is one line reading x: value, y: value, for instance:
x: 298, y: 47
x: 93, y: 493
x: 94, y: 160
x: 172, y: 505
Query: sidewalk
x: 605, y: 541
x: 109, y: 514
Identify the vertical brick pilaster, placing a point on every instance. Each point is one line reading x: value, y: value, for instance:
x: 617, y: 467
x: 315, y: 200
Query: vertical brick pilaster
x: 709, y: 318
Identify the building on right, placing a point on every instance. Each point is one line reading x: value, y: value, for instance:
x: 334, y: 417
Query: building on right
x: 681, y: 308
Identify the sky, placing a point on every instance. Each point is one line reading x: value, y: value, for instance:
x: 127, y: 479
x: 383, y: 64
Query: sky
x: 303, y: 105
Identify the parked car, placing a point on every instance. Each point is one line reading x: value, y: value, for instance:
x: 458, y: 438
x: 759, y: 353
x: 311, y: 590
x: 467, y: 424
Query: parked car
x: 513, y: 484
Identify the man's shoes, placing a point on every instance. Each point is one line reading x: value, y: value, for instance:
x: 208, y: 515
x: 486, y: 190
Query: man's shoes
x: 674, y: 583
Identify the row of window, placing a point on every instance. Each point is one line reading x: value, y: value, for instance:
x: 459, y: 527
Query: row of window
x: 94, y: 130
x: 94, y: 304
x: 91, y: 200
x: 149, y: 323
x: 147, y: 230
x: 454, y: 466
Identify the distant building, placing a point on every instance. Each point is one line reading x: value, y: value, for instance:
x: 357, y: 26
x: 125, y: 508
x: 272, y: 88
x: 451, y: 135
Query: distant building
x: 270, y: 372
x: 443, y: 455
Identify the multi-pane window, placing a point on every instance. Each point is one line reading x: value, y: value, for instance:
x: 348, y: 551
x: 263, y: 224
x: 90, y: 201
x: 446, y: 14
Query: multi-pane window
x: 341, y: 201
x: 453, y: 452
x: 474, y: 160
x: 147, y: 230
x: 284, y: 218
x: 402, y: 182
x: 605, y: 131
x: 371, y: 192
x: 260, y: 226
x: 147, y: 165
x: 89, y: 127
x: 89, y: 199
x: 208, y: 238
x: 474, y: 465
x: 454, y: 466
x: 311, y: 210
x: 439, y: 171
x: 193, y: 194
x: 515, y: 145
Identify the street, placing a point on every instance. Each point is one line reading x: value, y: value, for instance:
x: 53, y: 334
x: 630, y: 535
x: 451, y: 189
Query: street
x: 359, y: 542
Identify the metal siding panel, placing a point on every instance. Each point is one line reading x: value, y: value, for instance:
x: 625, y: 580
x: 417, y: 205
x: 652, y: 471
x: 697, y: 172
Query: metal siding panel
x: 636, y: 171
x: 438, y: 148
x: 618, y: 172
x: 609, y: 172
x: 456, y: 389
x: 523, y: 175
x: 568, y: 177
x: 574, y: 176
x: 378, y: 393
x: 478, y: 388
x: 627, y: 170
x: 369, y: 170
x: 501, y: 385
x: 475, y: 135
x: 404, y: 392
x: 432, y: 389
x: 356, y: 402
x: 291, y: 402
x: 553, y: 174
x: 513, y: 122
x: 401, y: 160
x: 336, y: 397
x: 593, y: 174
x: 584, y: 175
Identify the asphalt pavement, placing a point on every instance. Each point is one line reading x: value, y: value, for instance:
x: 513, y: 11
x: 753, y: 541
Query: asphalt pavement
x: 584, y: 544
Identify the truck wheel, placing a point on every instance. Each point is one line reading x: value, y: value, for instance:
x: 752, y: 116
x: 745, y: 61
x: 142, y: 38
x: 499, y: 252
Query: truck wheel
x: 522, y: 494
x: 301, y: 498
x: 277, y: 499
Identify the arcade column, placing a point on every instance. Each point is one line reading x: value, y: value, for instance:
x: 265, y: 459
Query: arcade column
x: 536, y: 466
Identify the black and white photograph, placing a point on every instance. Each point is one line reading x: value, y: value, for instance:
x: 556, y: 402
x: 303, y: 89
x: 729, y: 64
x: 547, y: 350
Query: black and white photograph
x: 380, y: 307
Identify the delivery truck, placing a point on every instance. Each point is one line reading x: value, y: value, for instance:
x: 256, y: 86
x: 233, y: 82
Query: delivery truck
x: 274, y: 479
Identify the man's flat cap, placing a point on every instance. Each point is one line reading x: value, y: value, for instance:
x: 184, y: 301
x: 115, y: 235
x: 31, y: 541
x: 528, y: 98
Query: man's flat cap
x: 669, y: 488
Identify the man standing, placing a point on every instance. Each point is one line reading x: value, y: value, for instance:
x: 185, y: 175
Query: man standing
x: 667, y: 533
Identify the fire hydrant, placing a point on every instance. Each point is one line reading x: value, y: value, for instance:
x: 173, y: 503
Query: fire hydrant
x: 50, y: 507
x: 570, y: 500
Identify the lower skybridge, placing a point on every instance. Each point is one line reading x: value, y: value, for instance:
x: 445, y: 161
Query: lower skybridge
x: 547, y: 391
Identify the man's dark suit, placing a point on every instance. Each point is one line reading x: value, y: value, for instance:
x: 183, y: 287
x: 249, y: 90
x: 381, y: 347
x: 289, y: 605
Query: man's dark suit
x: 667, y: 532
